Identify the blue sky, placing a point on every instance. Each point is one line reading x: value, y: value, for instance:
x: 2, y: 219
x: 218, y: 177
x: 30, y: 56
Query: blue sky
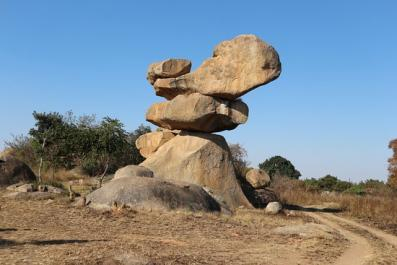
x: 333, y: 109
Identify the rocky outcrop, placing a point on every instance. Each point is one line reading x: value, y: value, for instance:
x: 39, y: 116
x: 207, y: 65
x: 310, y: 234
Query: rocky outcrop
x: 13, y: 171
x: 237, y: 67
x: 148, y: 143
x: 133, y: 171
x: 152, y: 193
x: 202, y: 159
x: 196, y: 112
x: 198, y: 104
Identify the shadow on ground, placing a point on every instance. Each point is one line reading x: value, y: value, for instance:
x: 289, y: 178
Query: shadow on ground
x: 311, y: 209
x: 10, y: 243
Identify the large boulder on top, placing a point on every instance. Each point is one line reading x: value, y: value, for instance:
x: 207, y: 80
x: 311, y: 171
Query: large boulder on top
x: 149, y: 143
x: 133, y: 171
x: 196, y: 112
x: 258, y: 178
x: 237, y: 67
x: 12, y: 171
x: 152, y: 193
x: 202, y: 159
x: 168, y: 68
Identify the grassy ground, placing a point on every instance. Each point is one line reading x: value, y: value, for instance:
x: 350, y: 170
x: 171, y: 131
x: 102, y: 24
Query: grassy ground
x: 42, y: 232
x: 375, y: 210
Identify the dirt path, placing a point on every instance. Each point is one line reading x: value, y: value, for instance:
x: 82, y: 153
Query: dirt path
x: 365, y: 240
x: 360, y: 250
x: 389, y: 238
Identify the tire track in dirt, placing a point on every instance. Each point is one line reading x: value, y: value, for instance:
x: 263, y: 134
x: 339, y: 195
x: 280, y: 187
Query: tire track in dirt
x: 359, y: 252
x: 389, y: 238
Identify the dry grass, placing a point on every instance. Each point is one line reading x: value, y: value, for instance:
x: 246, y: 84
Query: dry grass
x: 35, y: 232
x: 375, y: 209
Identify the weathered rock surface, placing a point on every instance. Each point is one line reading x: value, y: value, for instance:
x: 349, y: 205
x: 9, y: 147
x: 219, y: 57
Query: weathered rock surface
x: 257, y: 178
x: 237, y: 67
x: 149, y: 143
x: 202, y: 159
x: 196, y: 112
x: 133, y: 171
x: 13, y: 171
x: 273, y: 208
x: 152, y: 193
x: 168, y: 68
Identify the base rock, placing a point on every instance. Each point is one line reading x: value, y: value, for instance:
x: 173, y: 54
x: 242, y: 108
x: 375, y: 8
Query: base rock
x: 202, y: 159
x: 152, y: 193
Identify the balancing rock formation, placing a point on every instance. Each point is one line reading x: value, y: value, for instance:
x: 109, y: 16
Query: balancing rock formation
x: 184, y: 152
x: 203, y: 102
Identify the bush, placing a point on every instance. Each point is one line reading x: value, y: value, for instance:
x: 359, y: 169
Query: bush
x: 356, y: 190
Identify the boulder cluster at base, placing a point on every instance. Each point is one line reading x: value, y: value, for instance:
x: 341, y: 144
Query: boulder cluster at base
x: 187, y: 166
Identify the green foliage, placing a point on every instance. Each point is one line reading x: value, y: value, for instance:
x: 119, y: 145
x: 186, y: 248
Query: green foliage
x: 356, y: 190
x: 327, y: 183
x: 278, y: 166
x: 312, y: 184
x: 66, y: 141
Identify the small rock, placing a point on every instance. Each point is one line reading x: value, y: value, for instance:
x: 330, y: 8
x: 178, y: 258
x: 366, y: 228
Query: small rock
x: 42, y: 188
x: 55, y: 190
x: 133, y: 171
x: 273, y: 208
x: 80, y: 202
x: 25, y: 188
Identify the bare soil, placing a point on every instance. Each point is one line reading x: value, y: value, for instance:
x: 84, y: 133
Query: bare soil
x: 55, y: 232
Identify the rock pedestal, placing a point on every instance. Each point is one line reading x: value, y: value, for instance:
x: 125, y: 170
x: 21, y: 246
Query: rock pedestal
x: 198, y: 104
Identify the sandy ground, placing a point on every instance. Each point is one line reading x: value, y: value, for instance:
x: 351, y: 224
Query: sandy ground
x: 42, y: 232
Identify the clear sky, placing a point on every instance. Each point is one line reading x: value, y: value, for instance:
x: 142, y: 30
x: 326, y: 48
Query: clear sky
x: 333, y: 109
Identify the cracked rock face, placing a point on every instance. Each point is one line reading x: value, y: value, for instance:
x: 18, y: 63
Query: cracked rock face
x: 196, y: 112
x: 237, y: 67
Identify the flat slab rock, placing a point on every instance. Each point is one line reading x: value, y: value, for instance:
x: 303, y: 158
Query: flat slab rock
x: 152, y: 193
x: 196, y: 112
x: 237, y: 67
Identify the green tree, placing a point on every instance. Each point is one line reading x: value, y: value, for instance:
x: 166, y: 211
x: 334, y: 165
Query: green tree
x: 277, y: 166
x: 50, y: 140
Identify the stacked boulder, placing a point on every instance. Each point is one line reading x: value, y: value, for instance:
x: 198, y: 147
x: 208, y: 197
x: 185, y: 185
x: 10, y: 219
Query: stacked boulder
x: 199, y: 103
